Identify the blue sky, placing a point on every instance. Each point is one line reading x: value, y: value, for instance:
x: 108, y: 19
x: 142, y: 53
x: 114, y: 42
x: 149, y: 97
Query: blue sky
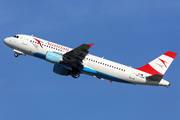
x: 126, y: 31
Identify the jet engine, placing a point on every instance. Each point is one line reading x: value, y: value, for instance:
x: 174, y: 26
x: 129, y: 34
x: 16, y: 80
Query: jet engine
x: 54, y: 57
x: 60, y: 70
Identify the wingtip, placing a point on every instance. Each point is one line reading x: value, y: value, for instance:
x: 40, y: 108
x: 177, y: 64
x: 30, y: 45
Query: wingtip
x: 91, y: 44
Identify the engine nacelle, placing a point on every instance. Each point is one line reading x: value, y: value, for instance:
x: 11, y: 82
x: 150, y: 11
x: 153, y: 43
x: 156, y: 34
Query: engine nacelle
x: 54, y: 57
x: 60, y: 70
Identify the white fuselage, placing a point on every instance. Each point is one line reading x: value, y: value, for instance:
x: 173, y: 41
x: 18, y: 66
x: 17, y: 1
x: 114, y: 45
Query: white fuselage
x: 93, y: 65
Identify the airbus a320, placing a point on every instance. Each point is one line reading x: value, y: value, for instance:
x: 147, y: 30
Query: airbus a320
x: 78, y: 61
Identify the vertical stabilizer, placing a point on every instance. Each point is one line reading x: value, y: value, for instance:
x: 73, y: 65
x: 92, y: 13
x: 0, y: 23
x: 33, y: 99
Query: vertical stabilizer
x: 160, y: 64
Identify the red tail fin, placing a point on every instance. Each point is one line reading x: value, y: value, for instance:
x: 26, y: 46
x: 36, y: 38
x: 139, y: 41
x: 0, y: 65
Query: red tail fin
x: 160, y: 64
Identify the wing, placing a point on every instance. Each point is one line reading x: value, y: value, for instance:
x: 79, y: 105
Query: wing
x: 75, y: 56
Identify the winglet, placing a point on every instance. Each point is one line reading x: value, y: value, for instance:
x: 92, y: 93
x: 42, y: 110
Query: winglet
x: 91, y: 44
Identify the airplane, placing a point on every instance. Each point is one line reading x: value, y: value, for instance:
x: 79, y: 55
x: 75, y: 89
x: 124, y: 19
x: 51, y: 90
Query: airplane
x: 73, y: 62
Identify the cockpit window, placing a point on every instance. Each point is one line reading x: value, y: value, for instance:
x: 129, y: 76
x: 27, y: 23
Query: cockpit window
x: 16, y: 36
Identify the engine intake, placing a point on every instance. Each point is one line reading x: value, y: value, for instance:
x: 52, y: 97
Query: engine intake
x: 54, y: 57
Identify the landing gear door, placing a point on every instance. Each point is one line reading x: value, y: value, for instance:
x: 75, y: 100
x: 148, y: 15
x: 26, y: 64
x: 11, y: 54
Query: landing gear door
x: 133, y: 74
x: 25, y: 40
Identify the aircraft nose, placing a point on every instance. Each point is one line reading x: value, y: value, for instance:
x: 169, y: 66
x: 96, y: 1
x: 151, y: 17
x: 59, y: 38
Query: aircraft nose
x: 5, y: 41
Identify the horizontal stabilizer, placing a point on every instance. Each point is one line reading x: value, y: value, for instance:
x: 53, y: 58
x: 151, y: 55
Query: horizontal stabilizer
x: 156, y: 77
